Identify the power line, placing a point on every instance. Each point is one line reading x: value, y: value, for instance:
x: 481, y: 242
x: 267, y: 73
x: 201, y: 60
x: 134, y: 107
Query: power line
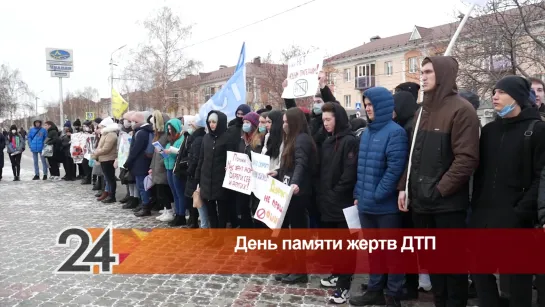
x: 249, y: 25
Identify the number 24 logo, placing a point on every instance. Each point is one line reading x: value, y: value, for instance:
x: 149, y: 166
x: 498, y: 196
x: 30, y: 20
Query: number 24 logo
x: 93, y: 253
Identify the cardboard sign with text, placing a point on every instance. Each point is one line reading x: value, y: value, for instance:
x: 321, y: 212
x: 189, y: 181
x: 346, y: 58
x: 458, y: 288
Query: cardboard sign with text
x: 274, y: 205
x: 303, y: 74
x: 238, y: 173
x: 260, y: 169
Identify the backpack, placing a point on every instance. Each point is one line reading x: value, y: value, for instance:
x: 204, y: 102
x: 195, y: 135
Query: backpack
x: 527, y: 162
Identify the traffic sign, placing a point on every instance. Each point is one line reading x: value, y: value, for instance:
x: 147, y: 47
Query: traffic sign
x: 358, y: 105
x: 60, y: 74
x: 56, y: 67
x: 89, y: 115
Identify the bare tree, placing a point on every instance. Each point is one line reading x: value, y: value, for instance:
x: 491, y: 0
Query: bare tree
x: 496, y: 43
x: 162, y: 60
x: 12, y: 90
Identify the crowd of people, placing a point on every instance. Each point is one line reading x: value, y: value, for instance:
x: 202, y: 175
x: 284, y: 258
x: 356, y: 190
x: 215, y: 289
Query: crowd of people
x: 461, y: 174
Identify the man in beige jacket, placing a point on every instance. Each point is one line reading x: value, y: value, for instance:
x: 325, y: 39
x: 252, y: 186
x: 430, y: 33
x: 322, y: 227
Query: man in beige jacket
x: 106, y: 154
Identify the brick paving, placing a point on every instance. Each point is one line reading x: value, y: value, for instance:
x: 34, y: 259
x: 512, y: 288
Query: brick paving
x: 34, y: 212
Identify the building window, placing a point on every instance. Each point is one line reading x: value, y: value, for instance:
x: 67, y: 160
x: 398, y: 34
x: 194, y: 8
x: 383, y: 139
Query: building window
x: 347, y: 101
x: 330, y: 78
x: 249, y: 85
x: 388, y: 68
x: 347, y: 75
x: 413, y: 65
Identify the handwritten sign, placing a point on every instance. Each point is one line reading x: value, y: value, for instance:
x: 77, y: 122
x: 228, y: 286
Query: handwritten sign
x: 124, y: 146
x: 260, y: 169
x: 238, y: 173
x: 78, y: 146
x: 303, y: 75
x: 274, y: 204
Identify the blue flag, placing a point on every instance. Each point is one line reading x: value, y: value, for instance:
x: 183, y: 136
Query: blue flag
x: 231, y: 95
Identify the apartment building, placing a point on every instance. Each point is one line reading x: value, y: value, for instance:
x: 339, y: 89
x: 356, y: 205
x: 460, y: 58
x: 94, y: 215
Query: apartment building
x: 385, y: 62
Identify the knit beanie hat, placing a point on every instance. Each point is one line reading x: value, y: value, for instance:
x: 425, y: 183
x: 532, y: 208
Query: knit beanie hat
x: 471, y: 97
x: 68, y: 124
x: 244, y: 108
x: 198, y: 122
x: 253, y: 118
x: 213, y: 117
x: 98, y: 120
x: 77, y: 123
x: 13, y: 127
x: 517, y: 87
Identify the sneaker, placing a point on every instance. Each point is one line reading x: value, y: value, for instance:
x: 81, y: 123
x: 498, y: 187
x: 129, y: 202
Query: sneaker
x: 330, y: 282
x: 57, y: 179
x: 340, y: 296
x: 163, y: 212
x: 168, y: 217
x: 37, y: 177
x: 368, y: 298
x: 392, y: 301
x: 424, y: 282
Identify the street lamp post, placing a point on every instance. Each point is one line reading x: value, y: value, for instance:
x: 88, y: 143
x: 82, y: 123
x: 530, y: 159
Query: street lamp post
x: 36, y: 97
x: 112, y: 76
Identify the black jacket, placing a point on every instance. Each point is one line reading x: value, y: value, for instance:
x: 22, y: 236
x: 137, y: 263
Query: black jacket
x: 2, y: 146
x: 500, y: 199
x: 212, y: 160
x: 181, y: 163
x: 338, y: 169
x: 54, y: 140
x: 65, y: 141
x: 247, y: 149
x: 193, y: 145
x: 304, y: 163
x: 405, y: 106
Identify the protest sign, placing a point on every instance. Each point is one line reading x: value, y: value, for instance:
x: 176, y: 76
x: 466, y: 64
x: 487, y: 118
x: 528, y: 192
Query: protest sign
x: 79, y: 146
x: 124, y: 146
x: 274, y: 205
x: 260, y: 169
x: 238, y: 173
x: 89, y: 147
x: 303, y: 75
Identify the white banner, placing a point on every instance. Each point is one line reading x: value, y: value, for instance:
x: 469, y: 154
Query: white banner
x: 303, y: 75
x: 238, y: 173
x: 78, y: 146
x: 274, y: 205
x: 260, y: 169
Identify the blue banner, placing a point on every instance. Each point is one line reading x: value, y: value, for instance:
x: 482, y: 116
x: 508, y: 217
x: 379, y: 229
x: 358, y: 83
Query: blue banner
x: 231, y: 95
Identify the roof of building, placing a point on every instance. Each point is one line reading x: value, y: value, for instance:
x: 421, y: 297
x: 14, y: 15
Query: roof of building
x: 397, y: 41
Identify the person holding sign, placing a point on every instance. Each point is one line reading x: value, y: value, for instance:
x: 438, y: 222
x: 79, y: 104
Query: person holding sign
x: 211, y: 169
x: 296, y: 169
x: 338, y: 173
x: 251, y: 141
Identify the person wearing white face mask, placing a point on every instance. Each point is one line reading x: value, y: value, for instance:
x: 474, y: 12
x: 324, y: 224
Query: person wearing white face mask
x: 16, y: 146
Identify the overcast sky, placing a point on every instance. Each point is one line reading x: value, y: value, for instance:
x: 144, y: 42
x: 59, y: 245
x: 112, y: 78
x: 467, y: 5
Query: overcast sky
x: 93, y: 29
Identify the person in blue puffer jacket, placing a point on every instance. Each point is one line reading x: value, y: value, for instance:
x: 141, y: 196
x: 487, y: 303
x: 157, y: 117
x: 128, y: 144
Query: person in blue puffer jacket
x: 36, y: 139
x: 381, y: 161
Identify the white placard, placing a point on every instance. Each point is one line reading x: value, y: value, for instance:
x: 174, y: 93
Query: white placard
x: 352, y: 217
x: 238, y: 173
x: 274, y: 205
x: 260, y: 169
x: 303, y: 74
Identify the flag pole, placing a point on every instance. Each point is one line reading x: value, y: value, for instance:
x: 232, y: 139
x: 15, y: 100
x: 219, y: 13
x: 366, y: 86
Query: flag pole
x: 460, y: 27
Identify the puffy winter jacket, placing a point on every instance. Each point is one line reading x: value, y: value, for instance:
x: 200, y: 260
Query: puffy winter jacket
x: 382, y: 157
x: 36, y: 138
x: 138, y: 161
x: 212, y: 160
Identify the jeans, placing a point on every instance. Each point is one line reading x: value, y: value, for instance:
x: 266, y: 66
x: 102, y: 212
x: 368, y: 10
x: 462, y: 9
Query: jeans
x: 177, y: 187
x: 133, y: 190
x: 144, y: 195
x: 393, y: 282
x: 36, y: 164
x: 203, y: 214
x: 109, y: 176
x: 344, y: 280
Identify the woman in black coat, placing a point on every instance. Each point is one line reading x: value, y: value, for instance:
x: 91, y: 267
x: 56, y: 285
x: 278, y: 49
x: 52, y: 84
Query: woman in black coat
x: 211, y: 169
x: 54, y: 140
x: 187, y: 165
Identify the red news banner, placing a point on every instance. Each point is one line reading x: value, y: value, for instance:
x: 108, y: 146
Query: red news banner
x: 323, y: 251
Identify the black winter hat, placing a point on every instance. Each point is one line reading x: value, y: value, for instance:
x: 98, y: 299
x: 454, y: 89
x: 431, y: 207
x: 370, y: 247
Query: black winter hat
x: 410, y: 87
x: 77, y: 123
x: 471, y: 97
x: 517, y: 87
x: 13, y: 127
x: 87, y: 123
x: 98, y: 120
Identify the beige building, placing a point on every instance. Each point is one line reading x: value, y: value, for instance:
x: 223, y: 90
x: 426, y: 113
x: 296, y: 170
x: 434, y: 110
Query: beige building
x: 384, y: 62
